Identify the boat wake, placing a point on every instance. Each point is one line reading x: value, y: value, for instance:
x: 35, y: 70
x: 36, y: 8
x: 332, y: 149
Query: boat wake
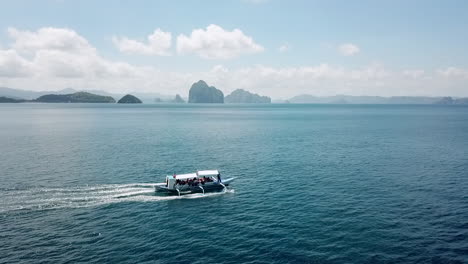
x: 86, y: 196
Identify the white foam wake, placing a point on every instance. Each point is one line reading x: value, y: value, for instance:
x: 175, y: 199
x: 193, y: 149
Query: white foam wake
x: 85, y: 196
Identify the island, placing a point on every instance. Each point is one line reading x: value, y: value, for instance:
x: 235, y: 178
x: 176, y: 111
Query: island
x: 349, y: 99
x: 241, y: 96
x: 4, y: 99
x: 200, y: 92
x: 452, y: 101
x: 178, y: 99
x: 129, y: 99
x: 78, y: 97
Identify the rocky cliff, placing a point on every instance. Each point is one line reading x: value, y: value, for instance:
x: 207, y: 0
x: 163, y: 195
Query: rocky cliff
x: 200, y: 92
x: 240, y: 96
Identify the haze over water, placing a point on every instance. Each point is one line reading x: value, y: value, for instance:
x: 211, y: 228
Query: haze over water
x: 315, y: 183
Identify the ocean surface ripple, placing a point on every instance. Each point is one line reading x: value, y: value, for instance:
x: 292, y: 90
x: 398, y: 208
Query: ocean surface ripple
x: 315, y: 184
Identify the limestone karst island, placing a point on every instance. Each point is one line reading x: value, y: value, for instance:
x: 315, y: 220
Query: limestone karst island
x: 129, y: 99
x: 199, y: 92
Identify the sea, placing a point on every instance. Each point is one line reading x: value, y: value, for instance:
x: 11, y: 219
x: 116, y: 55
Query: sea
x: 314, y: 183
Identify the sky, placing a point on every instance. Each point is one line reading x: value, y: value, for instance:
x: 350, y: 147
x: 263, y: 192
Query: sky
x: 271, y: 47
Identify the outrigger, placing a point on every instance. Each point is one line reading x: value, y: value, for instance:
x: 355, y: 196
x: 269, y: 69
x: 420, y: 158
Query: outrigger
x: 200, y: 181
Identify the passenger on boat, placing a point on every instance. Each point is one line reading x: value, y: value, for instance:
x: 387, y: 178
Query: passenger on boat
x: 196, y: 181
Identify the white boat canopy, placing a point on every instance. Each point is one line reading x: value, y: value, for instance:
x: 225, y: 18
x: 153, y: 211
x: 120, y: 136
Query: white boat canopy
x: 184, y: 176
x: 208, y: 173
x: 194, y: 175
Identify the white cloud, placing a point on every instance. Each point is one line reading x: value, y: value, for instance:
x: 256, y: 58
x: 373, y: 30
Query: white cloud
x: 413, y: 73
x: 56, y: 53
x: 44, y: 64
x: 49, y: 38
x: 158, y: 44
x: 217, y: 43
x: 284, y: 48
x: 12, y: 65
x: 348, y: 49
x: 453, y: 72
x: 283, y: 82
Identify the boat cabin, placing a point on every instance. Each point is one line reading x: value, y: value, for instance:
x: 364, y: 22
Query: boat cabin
x: 191, y: 178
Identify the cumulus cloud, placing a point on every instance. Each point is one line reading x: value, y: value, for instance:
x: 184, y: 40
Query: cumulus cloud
x: 56, y: 53
x: 348, y: 49
x: 413, y: 73
x: 159, y: 43
x: 216, y: 43
x: 322, y: 79
x: 12, y: 65
x: 49, y: 38
x: 71, y: 61
x: 451, y: 72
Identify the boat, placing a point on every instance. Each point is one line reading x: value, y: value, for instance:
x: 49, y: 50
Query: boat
x: 196, y: 182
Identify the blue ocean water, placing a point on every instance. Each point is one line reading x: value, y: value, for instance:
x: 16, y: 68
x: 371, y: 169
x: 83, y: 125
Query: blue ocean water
x: 315, y: 183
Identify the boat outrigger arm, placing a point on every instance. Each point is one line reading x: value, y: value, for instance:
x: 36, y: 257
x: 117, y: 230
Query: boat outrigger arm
x: 200, y: 181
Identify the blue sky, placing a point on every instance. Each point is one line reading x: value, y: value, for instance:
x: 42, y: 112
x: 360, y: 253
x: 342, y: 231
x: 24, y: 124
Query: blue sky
x: 389, y: 40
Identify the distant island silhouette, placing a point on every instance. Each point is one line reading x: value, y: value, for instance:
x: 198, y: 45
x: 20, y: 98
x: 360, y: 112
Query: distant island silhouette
x: 129, y: 99
x: 178, y: 99
x: 78, y: 97
x: 349, y: 99
x: 241, y: 96
x: 4, y: 99
x: 201, y: 92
